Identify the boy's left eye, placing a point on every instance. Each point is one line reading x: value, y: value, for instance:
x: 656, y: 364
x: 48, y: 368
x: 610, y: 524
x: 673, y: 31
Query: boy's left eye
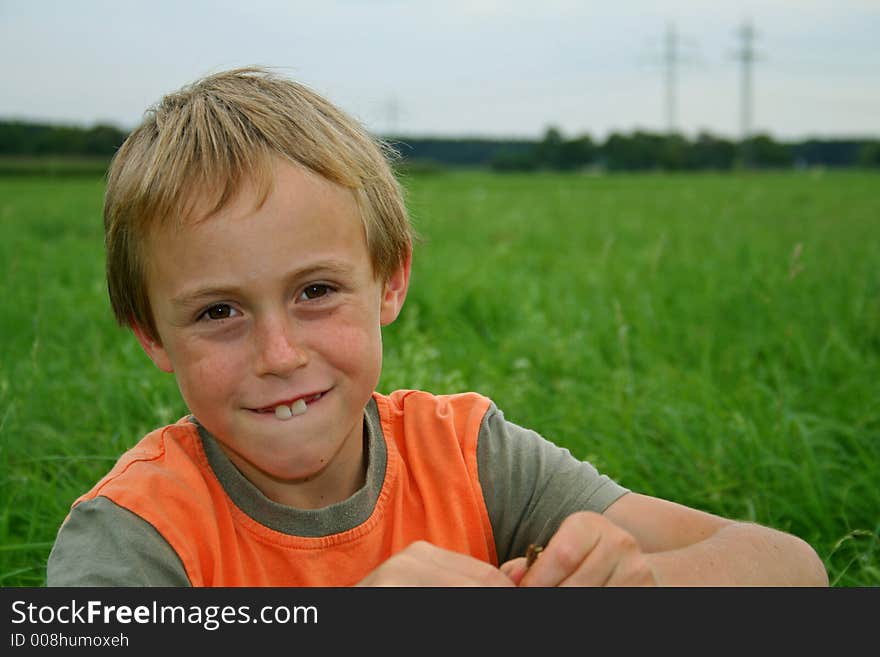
x: 314, y: 291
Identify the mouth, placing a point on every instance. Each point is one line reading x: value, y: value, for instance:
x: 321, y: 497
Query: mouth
x: 284, y: 410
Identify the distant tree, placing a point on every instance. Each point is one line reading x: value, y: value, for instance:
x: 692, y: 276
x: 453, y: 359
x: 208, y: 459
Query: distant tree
x: 869, y: 154
x: 103, y: 140
x: 829, y: 153
x: 577, y: 153
x: 637, y: 152
x: 22, y: 138
x: 619, y: 154
x: 761, y: 151
x: 548, y: 153
x: 673, y: 152
x: 12, y: 138
x: 556, y: 152
x: 514, y: 160
x: 710, y: 152
x: 61, y: 140
x: 460, y: 151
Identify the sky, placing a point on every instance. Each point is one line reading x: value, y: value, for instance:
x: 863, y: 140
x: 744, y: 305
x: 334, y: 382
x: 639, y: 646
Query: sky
x: 456, y: 68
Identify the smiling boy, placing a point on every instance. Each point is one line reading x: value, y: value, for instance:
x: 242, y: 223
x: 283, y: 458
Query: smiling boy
x: 257, y: 243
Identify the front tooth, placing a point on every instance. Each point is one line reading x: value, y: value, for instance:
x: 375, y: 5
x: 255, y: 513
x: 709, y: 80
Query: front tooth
x: 298, y: 407
x: 283, y: 412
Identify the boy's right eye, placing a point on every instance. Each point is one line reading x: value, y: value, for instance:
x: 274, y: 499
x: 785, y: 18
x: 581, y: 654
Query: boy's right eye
x: 217, y: 312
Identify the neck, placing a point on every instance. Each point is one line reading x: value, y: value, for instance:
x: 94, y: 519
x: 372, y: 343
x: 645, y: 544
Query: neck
x: 339, y: 479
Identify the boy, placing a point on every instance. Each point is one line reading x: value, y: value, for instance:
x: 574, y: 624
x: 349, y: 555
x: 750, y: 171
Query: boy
x: 257, y: 242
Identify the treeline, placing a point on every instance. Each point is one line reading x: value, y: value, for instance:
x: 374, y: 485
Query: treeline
x: 37, y: 139
x: 637, y: 151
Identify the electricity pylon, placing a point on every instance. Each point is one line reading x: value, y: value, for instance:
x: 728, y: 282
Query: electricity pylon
x: 670, y: 62
x: 746, y: 56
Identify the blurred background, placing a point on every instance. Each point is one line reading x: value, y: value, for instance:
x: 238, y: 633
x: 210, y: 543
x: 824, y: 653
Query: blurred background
x: 799, y: 78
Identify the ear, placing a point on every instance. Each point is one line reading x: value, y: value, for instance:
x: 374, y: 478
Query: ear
x: 153, y: 347
x: 394, y: 292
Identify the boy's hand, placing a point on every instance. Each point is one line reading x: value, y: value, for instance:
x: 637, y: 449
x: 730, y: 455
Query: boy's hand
x: 425, y: 564
x: 587, y: 550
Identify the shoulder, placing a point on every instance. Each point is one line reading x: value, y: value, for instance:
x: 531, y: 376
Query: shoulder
x: 530, y: 484
x: 462, y: 409
x: 401, y: 399
x: 103, y: 544
x: 171, y: 454
x: 522, y: 459
x: 166, y: 483
x: 433, y: 428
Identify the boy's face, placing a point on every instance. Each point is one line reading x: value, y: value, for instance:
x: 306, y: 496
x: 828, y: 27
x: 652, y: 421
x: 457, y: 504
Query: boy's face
x: 258, y: 308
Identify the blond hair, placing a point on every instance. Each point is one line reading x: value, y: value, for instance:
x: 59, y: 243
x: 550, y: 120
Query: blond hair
x: 196, y: 148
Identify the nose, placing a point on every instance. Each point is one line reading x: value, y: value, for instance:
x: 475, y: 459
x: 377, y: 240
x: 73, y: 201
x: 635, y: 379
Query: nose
x: 278, y: 351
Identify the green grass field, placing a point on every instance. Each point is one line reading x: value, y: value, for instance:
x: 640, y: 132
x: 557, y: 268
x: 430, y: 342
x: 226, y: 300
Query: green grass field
x: 711, y: 339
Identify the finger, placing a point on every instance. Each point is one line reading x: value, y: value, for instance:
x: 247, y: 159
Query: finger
x: 616, y: 560
x: 578, y: 553
x: 597, y: 567
x: 633, y: 570
x: 564, y: 555
x: 514, y: 569
x: 458, y: 569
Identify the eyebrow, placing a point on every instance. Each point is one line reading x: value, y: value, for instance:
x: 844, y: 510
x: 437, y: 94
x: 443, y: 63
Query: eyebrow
x: 190, y: 298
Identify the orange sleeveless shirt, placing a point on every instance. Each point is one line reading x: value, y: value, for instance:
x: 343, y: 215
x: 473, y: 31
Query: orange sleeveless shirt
x: 430, y: 491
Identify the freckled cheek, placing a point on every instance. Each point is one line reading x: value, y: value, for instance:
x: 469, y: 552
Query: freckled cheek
x: 353, y: 349
x: 211, y: 377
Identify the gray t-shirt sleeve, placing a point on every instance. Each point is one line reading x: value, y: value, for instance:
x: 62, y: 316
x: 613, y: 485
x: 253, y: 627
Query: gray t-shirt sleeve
x: 103, y: 544
x: 530, y: 485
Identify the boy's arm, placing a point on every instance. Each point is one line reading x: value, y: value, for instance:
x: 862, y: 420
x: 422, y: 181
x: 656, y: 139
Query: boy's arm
x: 102, y: 544
x: 645, y: 540
x: 690, y: 547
